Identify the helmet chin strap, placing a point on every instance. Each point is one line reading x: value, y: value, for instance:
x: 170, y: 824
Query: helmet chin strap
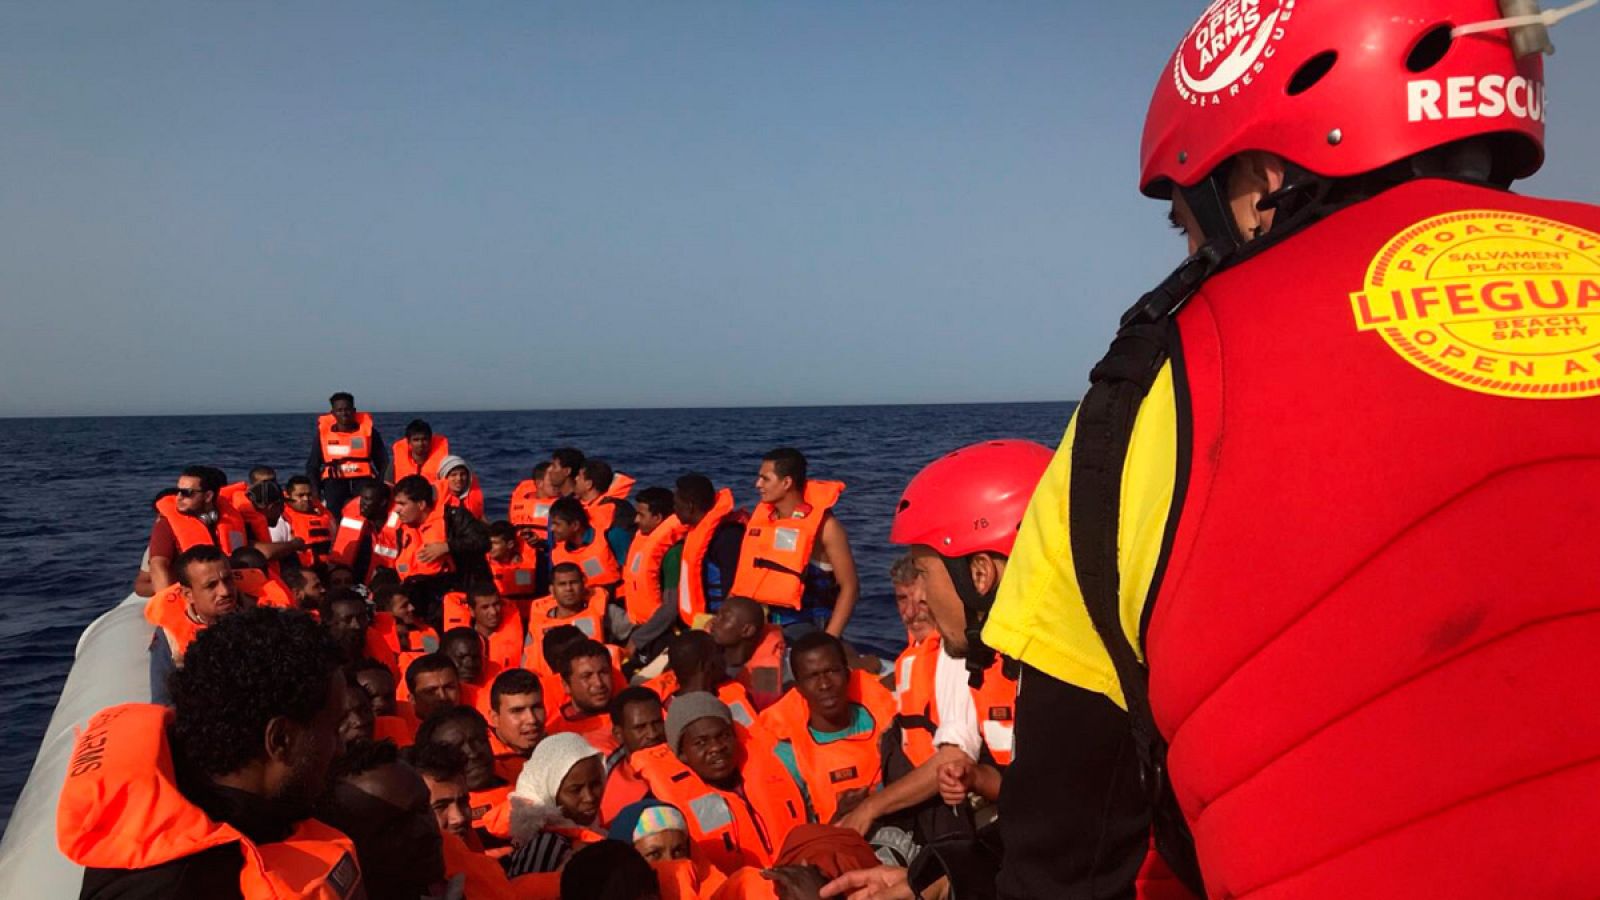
x: 980, y: 656
x: 1208, y: 203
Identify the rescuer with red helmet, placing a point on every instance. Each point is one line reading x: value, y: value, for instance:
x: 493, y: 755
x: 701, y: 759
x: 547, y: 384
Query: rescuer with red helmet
x: 1321, y: 529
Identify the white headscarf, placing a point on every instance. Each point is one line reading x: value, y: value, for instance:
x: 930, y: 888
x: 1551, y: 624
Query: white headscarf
x: 533, y: 800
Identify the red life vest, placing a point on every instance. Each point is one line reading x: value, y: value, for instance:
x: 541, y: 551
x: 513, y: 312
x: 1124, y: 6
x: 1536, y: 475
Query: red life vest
x: 315, y: 528
x: 641, y: 571
x: 762, y: 673
x: 120, y: 808
x: 838, y: 766
x: 407, y: 564
x: 231, y: 532
x: 744, y: 827
x: 385, y: 539
x: 255, y: 522
x: 591, y: 621
x: 916, y: 699
x: 595, y: 558
x: 400, y: 459
x: 528, y: 509
x: 1372, y: 646
x: 775, y: 553
x: 346, y: 454
x: 691, y: 580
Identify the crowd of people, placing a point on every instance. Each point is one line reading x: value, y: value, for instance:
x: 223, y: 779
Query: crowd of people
x: 357, y: 665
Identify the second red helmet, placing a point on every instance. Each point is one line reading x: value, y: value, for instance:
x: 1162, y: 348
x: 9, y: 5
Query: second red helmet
x: 972, y: 499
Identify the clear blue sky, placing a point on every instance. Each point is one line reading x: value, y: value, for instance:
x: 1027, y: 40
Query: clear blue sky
x: 241, y: 207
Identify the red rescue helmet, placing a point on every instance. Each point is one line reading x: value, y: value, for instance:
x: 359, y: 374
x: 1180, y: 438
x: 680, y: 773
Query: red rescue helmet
x: 1339, y: 87
x: 971, y: 500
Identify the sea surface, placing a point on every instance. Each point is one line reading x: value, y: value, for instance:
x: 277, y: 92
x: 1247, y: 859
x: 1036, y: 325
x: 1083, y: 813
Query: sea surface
x: 75, y: 499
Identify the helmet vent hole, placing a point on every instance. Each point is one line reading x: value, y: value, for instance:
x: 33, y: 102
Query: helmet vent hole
x: 903, y: 505
x: 1430, y: 48
x: 1311, y: 72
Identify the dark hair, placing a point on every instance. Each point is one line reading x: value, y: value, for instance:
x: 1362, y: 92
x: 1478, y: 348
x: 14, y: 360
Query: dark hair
x: 697, y: 491
x: 599, y: 473
x: 262, y: 473
x: 608, y: 870
x: 557, y: 641
x: 342, y: 595
x: 746, y: 608
x: 818, y: 640
x: 438, y: 761
x: 503, y: 530
x: 416, y: 427
x: 383, y: 579
x: 458, y: 713
x: 294, y: 577
x: 362, y: 755
x: 263, y: 494
x: 462, y: 634
x: 375, y: 486
x: 562, y: 568
x: 481, y: 587
x: 422, y: 665
x: 584, y: 649
x: 416, y: 488
x: 539, y: 468
x: 247, y: 557
x: 569, y: 457
x: 295, y: 481
x: 199, y: 553
x: 630, y: 696
x: 570, y: 509
x: 382, y: 592
x: 512, y: 681
x: 346, y: 396
x: 241, y: 673
x: 691, y: 653
x: 211, y: 478
x: 788, y: 462
x: 368, y: 664
x: 656, y: 499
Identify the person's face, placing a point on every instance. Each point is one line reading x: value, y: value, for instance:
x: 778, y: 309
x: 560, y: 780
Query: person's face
x: 821, y: 678
x: 769, y: 485
x: 459, y: 479
x: 708, y: 748
x: 401, y: 607
x: 347, y: 624
x: 468, y: 657
x: 311, y: 591
x: 641, y: 726
x: 419, y: 445
x: 727, y: 628
x: 502, y: 549
x: 211, y: 591
x: 908, y: 601
x: 589, y: 683
x: 409, y: 511
x: 579, y: 794
x: 191, y: 497
x: 299, y: 498
x: 308, y: 753
x: 684, y: 510
x: 379, y: 685
x: 451, y: 803
x: 374, y: 503
x: 663, y: 845
x: 646, y: 520
x: 340, y: 578
x: 263, y: 475
x: 581, y: 482
x: 487, y: 611
x: 567, y: 589
x: 357, y: 722
x: 474, y: 745
x: 397, y: 833
x: 942, y: 602
x: 562, y: 530
x: 435, y: 691
x: 273, y: 513
x: 344, y: 413
x: 556, y: 476
x: 519, y: 720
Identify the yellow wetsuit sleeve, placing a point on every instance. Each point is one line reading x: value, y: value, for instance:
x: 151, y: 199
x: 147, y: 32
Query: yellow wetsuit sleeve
x: 1039, y: 617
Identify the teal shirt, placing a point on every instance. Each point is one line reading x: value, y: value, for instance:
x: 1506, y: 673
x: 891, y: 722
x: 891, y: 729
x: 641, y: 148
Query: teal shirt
x: 860, y: 723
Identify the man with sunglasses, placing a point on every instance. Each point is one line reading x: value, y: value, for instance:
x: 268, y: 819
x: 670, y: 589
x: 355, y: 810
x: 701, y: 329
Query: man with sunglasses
x: 189, y: 517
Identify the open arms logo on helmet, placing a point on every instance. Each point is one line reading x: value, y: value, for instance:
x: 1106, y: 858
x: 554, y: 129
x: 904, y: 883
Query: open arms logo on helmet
x: 1230, y: 44
x: 1495, y: 302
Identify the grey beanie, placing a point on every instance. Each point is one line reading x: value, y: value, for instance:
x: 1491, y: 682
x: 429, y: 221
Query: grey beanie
x: 448, y: 463
x: 686, y: 709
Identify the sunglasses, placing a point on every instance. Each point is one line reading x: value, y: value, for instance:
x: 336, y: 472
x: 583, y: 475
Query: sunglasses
x: 186, y: 493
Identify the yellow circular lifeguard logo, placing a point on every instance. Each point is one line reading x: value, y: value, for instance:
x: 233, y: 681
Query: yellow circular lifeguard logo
x: 1496, y: 302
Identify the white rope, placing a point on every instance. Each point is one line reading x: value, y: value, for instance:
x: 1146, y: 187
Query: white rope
x: 1547, y: 18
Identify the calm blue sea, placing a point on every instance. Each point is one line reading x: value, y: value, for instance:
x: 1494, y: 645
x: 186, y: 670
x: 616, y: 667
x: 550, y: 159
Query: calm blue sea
x: 75, y: 509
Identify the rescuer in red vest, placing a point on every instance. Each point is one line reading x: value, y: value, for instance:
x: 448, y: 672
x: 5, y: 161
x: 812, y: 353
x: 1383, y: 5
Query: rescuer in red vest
x: 1321, y: 530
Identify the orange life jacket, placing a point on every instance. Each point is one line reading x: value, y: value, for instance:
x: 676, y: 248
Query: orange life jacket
x: 641, y: 573
x: 394, y: 729
x: 504, y: 646
x: 314, y: 528
x: 595, y: 727
x: 472, y: 503
x: 914, y: 693
x: 491, y: 811
x: 691, y: 579
x: 694, y: 879
x: 267, y: 590
x: 346, y: 454
x: 255, y: 521
x: 599, y: 564
x: 838, y: 766
x: 485, y: 878
x: 385, y: 539
x: 413, y: 538
x: 732, y: 829
x: 169, y: 611
x: 591, y: 621
x: 775, y: 553
x: 385, y: 644
x: 602, y: 510
x: 517, y: 579
x: 528, y: 509
x: 231, y: 532
x: 400, y: 459
x: 762, y: 673
x: 120, y: 808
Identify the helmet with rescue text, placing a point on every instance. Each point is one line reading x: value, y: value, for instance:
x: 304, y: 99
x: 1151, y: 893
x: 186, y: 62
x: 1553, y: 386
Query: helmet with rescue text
x: 1347, y: 98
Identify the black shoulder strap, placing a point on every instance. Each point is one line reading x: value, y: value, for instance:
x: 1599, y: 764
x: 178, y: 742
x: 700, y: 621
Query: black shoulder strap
x: 1118, y: 386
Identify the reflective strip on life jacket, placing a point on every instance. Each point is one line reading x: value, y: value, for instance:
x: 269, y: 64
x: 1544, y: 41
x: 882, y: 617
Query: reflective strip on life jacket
x: 518, y: 578
x: 528, y: 509
x: 402, y: 463
x: 590, y: 621
x: 314, y: 528
x: 916, y: 698
x: 691, y: 579
x: 346, y: 454
x: 599, y: 565
x: 641, y: 573
x: 730, y: 830
x: 851, y: 763
x: 762, y: 673
x: 413, y: 538
x: 775, y: 552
